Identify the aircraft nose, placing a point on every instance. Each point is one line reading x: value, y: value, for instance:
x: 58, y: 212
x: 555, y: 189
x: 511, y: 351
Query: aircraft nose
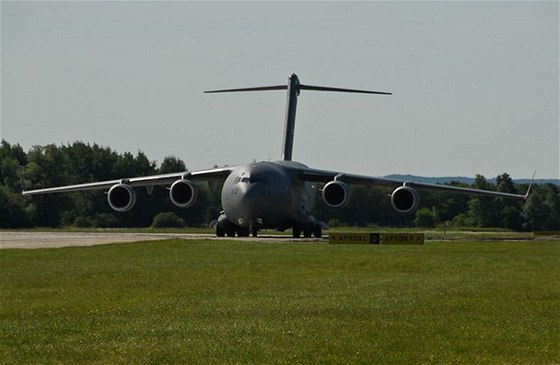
x: 251, y: 202
x: 252, y: 193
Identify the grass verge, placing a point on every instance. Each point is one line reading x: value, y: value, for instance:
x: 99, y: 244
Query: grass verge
x: 184, y: 301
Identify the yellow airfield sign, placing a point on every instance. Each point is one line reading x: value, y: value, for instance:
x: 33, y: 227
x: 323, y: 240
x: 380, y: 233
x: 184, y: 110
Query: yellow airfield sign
x: 402, y: 238
x: 376, y: 238
x: 354, y: 238
x: 546, y: 233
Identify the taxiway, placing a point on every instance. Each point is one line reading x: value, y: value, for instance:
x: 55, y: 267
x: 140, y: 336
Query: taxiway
x: 34, y: 240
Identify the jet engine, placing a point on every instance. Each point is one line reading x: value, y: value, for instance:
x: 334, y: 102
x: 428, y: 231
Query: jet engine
x: 121, y: 197
x: 183, y: 193
x: 335, y: 194
x: 405, y: 199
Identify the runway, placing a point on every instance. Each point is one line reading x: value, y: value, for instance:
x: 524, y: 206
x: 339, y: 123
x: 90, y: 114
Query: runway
x: 34, y: 240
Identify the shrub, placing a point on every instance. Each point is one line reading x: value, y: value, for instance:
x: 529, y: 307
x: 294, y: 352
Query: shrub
x: 425, y: 218
x: 335, y: 223
x: 82, y: 222
x: 105, y: 220
x: 167, y: 219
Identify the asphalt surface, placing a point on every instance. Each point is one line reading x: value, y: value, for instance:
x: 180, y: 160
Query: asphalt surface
x: 33, y: 240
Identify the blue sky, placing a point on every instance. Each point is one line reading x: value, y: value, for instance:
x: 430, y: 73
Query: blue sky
x: 476, y: 84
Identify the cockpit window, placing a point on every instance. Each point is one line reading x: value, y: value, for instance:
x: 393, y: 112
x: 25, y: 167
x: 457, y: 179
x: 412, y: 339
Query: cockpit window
x: 254, y: 179
x: 258, y: 179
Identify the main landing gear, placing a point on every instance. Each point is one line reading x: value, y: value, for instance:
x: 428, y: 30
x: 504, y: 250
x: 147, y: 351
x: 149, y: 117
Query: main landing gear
x: 312, y: 229
x: 226, y: 228
x: 232, y: 231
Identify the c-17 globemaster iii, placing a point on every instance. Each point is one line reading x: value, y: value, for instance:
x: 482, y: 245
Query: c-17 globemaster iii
x: 268, y: 195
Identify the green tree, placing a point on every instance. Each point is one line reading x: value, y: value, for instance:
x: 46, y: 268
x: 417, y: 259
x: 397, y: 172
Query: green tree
x: 12, y: 205
x: 171, y: 164
x: 11, y: 158
x: 541, y: 212
x: 481, y: 209
x: 13, y: 213
x: 48, y: 166
x: 508, y: 210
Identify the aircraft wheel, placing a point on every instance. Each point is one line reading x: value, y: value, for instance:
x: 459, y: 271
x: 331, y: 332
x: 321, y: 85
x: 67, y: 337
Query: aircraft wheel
x: 254, y: 231
x: 220, y: 231
x: 243, y: 232
x: 230, y: 232
x: 317, y: 231
x: 307, y: 233
x: 296, y: 232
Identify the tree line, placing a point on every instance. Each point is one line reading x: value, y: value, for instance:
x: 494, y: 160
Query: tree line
x: 52, y: 165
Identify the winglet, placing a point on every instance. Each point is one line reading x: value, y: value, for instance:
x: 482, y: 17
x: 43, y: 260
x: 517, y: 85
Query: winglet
x: 526, y: 196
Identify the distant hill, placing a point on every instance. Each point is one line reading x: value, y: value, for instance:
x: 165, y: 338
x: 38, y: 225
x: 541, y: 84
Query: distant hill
x: 462, y: 179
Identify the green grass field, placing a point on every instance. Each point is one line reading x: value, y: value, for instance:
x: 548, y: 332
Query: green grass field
x: 215, y: 302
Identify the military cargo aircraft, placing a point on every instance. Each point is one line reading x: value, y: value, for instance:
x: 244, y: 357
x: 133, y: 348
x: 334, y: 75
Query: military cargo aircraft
x: 268, y: 195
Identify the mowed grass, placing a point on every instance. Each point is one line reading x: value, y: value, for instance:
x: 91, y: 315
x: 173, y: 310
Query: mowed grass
x: 215, y: 302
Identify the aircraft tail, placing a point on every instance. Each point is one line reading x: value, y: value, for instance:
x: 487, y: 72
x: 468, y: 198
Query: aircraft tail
x: 293, y: 87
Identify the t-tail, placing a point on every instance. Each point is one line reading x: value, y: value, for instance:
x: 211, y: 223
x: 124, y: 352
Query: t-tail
x: 293, y: 89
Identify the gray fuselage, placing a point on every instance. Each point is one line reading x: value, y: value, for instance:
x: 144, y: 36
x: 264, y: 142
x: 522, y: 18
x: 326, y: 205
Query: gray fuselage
x: 268, y: 195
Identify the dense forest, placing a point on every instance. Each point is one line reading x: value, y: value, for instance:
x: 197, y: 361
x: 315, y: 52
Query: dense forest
x: 51, y: 165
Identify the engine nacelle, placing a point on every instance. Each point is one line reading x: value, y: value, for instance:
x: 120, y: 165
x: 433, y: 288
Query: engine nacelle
x: 335, y: 194
x: 405, y: 199
x: 183, y: 193
x: 121, y: 197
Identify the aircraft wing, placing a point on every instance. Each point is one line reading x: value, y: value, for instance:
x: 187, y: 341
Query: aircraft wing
x: 314, y: 175
x: 165, y: 179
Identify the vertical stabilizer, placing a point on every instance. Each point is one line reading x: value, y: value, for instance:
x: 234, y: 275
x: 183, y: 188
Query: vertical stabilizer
x: 290, y: 123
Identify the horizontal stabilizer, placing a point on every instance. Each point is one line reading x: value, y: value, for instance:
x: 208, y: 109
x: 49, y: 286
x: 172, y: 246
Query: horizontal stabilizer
x: 337, y: 89
x: 262, y: 88
x: 298, y: 87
